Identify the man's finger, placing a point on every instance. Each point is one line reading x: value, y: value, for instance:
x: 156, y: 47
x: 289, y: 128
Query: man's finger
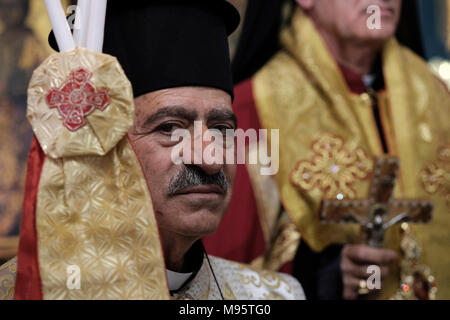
x: 351, y: 282
x: 350, y: 294
x: 362, y: 254
x: 361, y: 271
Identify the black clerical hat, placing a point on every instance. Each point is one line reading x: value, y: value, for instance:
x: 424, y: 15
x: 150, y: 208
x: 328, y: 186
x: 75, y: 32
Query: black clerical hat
x: 171, y: 43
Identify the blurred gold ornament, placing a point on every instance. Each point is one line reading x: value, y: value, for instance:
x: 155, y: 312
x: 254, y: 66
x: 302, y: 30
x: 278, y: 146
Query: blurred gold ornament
x: 38, y: 21
x: 417, y: 281
x: 441, y: 68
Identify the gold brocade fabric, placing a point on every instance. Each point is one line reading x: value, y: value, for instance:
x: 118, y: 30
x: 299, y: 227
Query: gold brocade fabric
x: 329, y: 138
x: 236, y: 281
x: 8, y: 279
x: 239, y: 282
x: 104, y: 128
x: 284, y: 245
x: 94, y: 212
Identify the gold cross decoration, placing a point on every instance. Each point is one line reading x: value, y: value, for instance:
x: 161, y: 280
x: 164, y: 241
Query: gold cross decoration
x: 380, y: 211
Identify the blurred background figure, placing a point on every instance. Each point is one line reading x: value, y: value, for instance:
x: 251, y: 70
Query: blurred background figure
x: 433, y: 19
x: 262, y: 66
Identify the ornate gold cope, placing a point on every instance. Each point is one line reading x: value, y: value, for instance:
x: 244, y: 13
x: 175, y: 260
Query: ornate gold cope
x: 323, y: 125
x: 94, y: 209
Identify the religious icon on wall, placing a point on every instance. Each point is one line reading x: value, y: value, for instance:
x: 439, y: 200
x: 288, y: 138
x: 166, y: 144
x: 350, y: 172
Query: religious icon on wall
x: 21, y: 50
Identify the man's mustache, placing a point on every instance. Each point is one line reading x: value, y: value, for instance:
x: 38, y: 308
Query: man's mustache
x: 191, y: 176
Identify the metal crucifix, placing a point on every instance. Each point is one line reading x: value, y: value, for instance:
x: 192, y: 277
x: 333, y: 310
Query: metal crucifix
x: 380, y: 211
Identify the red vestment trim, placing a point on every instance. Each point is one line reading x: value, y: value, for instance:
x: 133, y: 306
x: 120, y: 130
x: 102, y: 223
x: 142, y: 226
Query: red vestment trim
x: 28, y: 279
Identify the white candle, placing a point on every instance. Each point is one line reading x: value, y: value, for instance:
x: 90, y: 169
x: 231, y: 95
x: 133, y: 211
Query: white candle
x: 81, y: 23
x: 96, y: 29
x: 60, y: 26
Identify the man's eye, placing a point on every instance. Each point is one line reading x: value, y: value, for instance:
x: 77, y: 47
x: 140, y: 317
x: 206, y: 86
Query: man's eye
x: 167, y: 127
x: 222, y: 128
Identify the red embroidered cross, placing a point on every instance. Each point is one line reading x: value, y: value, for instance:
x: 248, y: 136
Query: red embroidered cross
x: 77, y: 98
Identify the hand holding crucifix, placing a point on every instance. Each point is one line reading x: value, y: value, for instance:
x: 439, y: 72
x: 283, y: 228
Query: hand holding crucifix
x: 375, y: 214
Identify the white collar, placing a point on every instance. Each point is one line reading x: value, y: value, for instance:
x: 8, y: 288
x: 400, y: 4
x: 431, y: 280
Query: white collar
x: 176, y: 279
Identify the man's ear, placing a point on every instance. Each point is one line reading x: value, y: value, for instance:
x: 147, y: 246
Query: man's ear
x: 305, y: 4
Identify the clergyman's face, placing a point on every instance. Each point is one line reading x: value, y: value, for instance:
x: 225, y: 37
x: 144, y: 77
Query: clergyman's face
x: 189, y: 200
x: 347, y: 19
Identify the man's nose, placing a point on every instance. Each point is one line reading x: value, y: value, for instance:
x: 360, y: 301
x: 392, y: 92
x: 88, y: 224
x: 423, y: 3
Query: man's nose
x: 200, y: 158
